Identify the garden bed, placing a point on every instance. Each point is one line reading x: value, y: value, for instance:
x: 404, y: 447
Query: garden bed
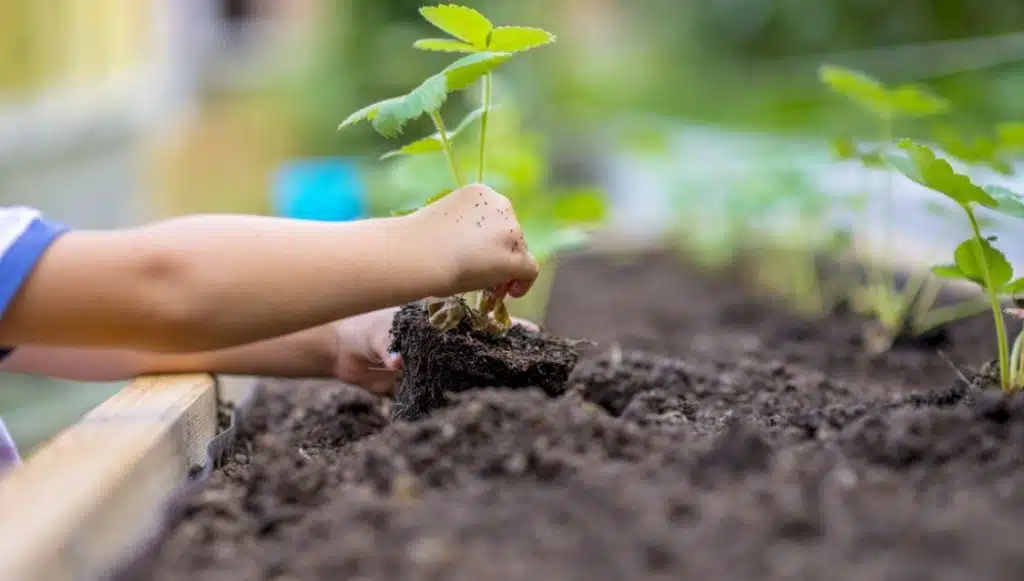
x: 708, y: 436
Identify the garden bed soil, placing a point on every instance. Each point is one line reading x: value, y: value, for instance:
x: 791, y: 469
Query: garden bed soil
x: 708, y: 436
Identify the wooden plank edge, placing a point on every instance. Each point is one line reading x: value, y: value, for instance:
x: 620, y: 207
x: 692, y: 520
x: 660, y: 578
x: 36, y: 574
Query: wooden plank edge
x: 95, y: 493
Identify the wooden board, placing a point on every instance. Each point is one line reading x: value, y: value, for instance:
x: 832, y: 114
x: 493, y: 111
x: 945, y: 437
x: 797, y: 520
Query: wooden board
x: 93, y: 494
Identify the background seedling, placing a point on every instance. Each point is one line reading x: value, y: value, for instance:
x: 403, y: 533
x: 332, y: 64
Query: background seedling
x: 902, y: 310
x: 976, y: 259
x: 549, y: 225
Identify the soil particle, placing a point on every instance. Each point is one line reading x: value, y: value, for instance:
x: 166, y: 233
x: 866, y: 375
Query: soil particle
x: 702, y: 440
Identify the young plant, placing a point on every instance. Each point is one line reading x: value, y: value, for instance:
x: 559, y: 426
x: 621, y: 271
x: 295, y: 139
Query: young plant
x: 976, y: 260
x: 486, y: 47
x: 903, y: 310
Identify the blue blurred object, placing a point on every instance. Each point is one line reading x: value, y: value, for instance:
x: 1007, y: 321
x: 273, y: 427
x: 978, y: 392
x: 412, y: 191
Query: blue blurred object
x: 325, y: 189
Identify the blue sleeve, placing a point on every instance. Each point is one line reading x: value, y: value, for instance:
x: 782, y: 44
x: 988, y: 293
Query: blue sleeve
x: 24, y: 236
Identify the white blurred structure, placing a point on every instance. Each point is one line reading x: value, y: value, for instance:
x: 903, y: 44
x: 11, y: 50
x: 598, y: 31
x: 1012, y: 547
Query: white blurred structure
x: 84, y: 85
x: 86, y: 81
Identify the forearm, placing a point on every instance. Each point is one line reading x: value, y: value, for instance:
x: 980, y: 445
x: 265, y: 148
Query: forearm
x: 210, y: 282
x: 309, y: 353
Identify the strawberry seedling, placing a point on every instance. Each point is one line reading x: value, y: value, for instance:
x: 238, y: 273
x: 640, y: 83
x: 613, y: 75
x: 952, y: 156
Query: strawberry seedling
x: 976, y: 260
x: 486, y: 47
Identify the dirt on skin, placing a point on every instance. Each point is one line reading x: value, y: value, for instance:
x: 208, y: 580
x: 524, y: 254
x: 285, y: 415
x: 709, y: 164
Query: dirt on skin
x: 708, y: 437
x: 439, y: 363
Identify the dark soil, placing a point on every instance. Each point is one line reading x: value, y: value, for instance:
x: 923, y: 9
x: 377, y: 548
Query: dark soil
x: 708, y: 437
x: 438, y: 364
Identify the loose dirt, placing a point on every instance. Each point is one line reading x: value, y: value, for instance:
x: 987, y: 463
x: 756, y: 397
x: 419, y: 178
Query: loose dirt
x: 708, y: 436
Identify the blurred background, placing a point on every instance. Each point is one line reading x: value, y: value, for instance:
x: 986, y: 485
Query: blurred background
x: 114, y: 112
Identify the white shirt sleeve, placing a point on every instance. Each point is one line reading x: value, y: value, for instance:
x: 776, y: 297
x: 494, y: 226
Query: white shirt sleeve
x: 24, y: 236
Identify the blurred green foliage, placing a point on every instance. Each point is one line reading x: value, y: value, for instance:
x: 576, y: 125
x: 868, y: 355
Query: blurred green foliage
x: 742, y: 60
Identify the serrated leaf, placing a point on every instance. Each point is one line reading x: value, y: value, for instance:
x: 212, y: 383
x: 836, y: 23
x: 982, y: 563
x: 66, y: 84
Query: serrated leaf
x: 443, y: 45
x: 462, y: 22
x: 858, y: 87
x: 433, y: 143
x: 917, y: 102
x: 367, y: 113
x: 936, y: 173
x: 949, y: 271
x: 968, y: 262
x: 391, y: 118
x: 580, y: 207
x: 468, y: 69
x: 518, y: 38
x: 1008, y: 202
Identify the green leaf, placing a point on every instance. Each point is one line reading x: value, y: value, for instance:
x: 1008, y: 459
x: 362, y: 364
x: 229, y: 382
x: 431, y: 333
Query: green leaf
x: 429, y: 144
x: 858, y: 87
x: 391, y: 118
x: 844, y: 148
x: 1015, y: 287
x: 1008, y: 202
x: 443, y: 45
x: 917, y: 102
x: 1011, y: 135
x: 468, y: 69
x: 437, y: 197
x: 580, y: 207
x: 367, y: 113
x: 433, y: 143
x: 967, y: 260
x: 545, y: 240
x: 936, y: 173
x: 949, y: 271
x: 905, y: 166
x: 518, y: 38
x: 462, y: 22
x: 974, y: 150
x: 409, y: 209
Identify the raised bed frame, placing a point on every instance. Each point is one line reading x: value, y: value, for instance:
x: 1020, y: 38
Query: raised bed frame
x: 95, y: 495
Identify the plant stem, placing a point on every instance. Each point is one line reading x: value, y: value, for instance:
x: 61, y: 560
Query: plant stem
x: 1004, y: 364
x: 887, y: 218
x: 1015, y: 361
x: 483, y: 126
x: 460, y: 180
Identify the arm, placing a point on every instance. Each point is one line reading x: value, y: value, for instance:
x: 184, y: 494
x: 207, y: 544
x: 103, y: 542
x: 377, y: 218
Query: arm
x: 209, y: 282
x: 309, y: 353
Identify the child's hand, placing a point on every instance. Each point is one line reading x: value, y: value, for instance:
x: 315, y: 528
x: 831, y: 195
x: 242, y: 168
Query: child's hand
x: 478, y: 229
x: 362, y: 358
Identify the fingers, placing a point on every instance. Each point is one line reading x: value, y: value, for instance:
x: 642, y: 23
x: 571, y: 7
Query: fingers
x: 380, y: 381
